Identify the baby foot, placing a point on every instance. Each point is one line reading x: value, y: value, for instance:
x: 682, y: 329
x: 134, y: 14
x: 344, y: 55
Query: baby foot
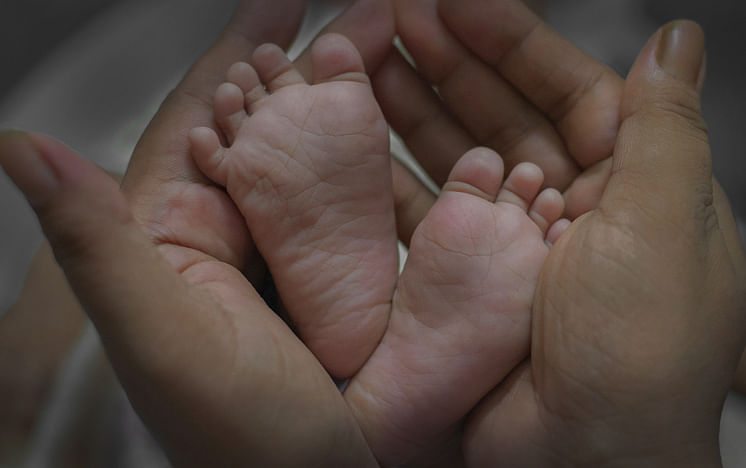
x: 462, y: 312
x: 308, y: 167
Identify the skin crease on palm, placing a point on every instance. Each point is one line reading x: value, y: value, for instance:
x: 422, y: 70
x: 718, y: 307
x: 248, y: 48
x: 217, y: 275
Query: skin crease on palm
x: 676, y: 210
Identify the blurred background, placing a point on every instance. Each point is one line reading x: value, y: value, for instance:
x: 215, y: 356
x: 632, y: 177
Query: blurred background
x: 93, y: 72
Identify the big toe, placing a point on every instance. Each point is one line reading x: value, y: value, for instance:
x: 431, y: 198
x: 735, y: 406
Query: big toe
x: 335, y: 58
x: 478, y: 172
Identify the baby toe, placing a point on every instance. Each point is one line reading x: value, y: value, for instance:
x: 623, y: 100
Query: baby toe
x: 245, y: 77
x: 521, y: 186
x: 547, y: 208
x: 228, y: 108
x: 207, y: 153
x: 478, y: 172
x: 274, y: 68
x: 556, y: 230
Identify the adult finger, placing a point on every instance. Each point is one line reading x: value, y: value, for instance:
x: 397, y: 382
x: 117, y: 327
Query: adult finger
x: 184, y: 342
x: 369, y: 24
x: 168, y: 194
x: 663, y: 155
x: 490, y: 108
x: 586, y: 190
x: 431, y: 133
x: 564, y: 83
x: 253, y: 23
x: 94, y: 237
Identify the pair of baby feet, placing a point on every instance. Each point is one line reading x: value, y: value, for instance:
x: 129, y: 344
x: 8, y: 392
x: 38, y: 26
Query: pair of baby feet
x: 308, y: 166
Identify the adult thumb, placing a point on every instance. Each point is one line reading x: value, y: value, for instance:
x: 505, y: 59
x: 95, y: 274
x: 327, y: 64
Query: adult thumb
x: 662, y: 158
x: 114, y: 270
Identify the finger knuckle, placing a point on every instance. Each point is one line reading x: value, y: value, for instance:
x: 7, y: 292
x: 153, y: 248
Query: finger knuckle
x: 679, y: 110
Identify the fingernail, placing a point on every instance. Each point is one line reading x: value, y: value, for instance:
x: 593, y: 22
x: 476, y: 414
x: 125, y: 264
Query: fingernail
x: 681, y: 50
x: 26, y: 167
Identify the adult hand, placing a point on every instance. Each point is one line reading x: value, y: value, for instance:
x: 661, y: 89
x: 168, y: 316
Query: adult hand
x: 639, y: 313
x: 505, y: 81
x: 215, y: 374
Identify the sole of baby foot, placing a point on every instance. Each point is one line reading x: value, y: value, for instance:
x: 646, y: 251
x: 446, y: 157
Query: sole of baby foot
x: 462, y: 313
x: 308, y: 166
